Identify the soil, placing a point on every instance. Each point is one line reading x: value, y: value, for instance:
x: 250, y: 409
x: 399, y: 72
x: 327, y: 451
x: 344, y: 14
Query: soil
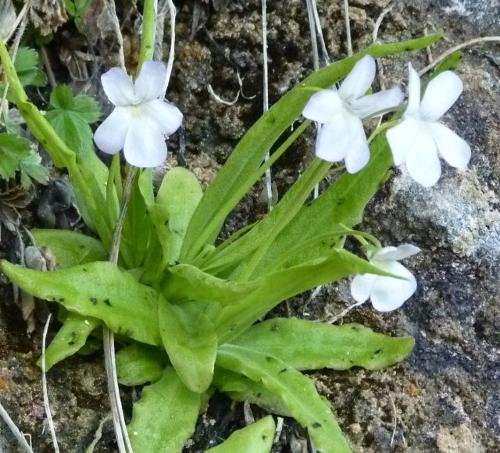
x: 444, y: 397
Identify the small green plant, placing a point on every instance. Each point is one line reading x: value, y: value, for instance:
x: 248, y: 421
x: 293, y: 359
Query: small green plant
x: 186, y: 308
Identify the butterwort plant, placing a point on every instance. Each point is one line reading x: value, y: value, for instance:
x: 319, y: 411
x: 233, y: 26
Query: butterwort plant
x: 191, y: 312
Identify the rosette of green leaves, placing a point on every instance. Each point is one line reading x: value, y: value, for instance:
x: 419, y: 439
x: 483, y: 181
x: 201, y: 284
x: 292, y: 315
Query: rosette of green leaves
x: 195, y: 302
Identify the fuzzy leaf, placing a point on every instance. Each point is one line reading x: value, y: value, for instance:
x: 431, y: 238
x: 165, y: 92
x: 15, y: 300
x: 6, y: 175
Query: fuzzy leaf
x: 308, y: 345
x: 165, y: 416
x: 137, y: 364
x: 255, y: 438
x: 191, y: 343
x: 69, y: 247
x: 100, y: 290
x: 297, y: 392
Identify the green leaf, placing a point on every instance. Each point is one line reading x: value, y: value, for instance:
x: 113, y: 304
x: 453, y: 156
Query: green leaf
x: 13, y: 150
x: 240, y: 388
x: 28, y: 68
x: 188, y: 283
x: 449, y: 63
x: 69, y: 247
x: 239, y: 172
x: 287, y: 283
x: 191, y: 343
x: 70, y: 117
x: 70, y: 338
x: 327, y: 346
x: 258, y: 240
x: 137, y: 364
x: 165, y: 416
x: 297, y: 392
x: 176, y: 201
x: 31, y: 168
x: 255, y: 438
x: 137, y: 229
x: 100, y: 290
x: 342, y: 203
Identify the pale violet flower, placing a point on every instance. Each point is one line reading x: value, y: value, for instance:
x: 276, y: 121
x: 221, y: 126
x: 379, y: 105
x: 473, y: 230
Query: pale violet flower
x: 141, y: 119
x: 340, y: 112
x: 420, y: 140
x: 386, y: 293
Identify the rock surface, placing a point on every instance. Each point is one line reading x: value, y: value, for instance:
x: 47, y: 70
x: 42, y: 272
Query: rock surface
x: 444, y: 398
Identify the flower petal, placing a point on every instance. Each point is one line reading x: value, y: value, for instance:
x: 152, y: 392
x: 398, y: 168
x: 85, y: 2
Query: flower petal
x: 361, y: 286
x: 395, y: 253
x: 110, y: 135
x: 323, y: 106
x: 358, y: 153
x: 332, y: 140
x: 377, y: 103
x: 145, y: 144
x: 150, y: 82
x: 167, y: 116
x: 360, y: 78
x: 440, y: 94
x: 422, y: 160
x: 400, y: 138
x: 118, y: 87
x: 451, y: 147
x: 389, y: 293
x: 413, y: 92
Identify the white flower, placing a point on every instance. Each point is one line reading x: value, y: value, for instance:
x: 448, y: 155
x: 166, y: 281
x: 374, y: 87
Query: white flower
x: 386, y: 293
x: 141, y: 119
x: 419, y: 140
x: 342, y: 136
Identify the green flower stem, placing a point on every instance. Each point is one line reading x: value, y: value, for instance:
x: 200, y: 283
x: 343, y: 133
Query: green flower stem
x: 148, y: 32
x: 282, y: 148
x: 382, y: 128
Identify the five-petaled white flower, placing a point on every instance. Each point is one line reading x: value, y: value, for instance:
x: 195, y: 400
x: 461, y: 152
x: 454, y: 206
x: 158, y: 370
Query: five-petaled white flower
x: 340, y: 112
x: 386, y: 293
x: 141, y: 119
x: 419, y: 140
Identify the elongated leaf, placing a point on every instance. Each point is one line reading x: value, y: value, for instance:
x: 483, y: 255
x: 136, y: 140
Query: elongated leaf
x: 308, y: 345
x: 241, y: 388
x: 276, y: 287
x: 137, y: 229
x: 137, y: 364
x: 255, y: 438
x: 177, y: 198
x: 100, y: 290
x: 187, y: 283
x: 69, y: 247
x: 238, y: 174
x: 165, y: 416
x: 342, y: 203
x: 258, y: 240
x: 70, y: 338
x: 295, y: 390
x: 191, y: 344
